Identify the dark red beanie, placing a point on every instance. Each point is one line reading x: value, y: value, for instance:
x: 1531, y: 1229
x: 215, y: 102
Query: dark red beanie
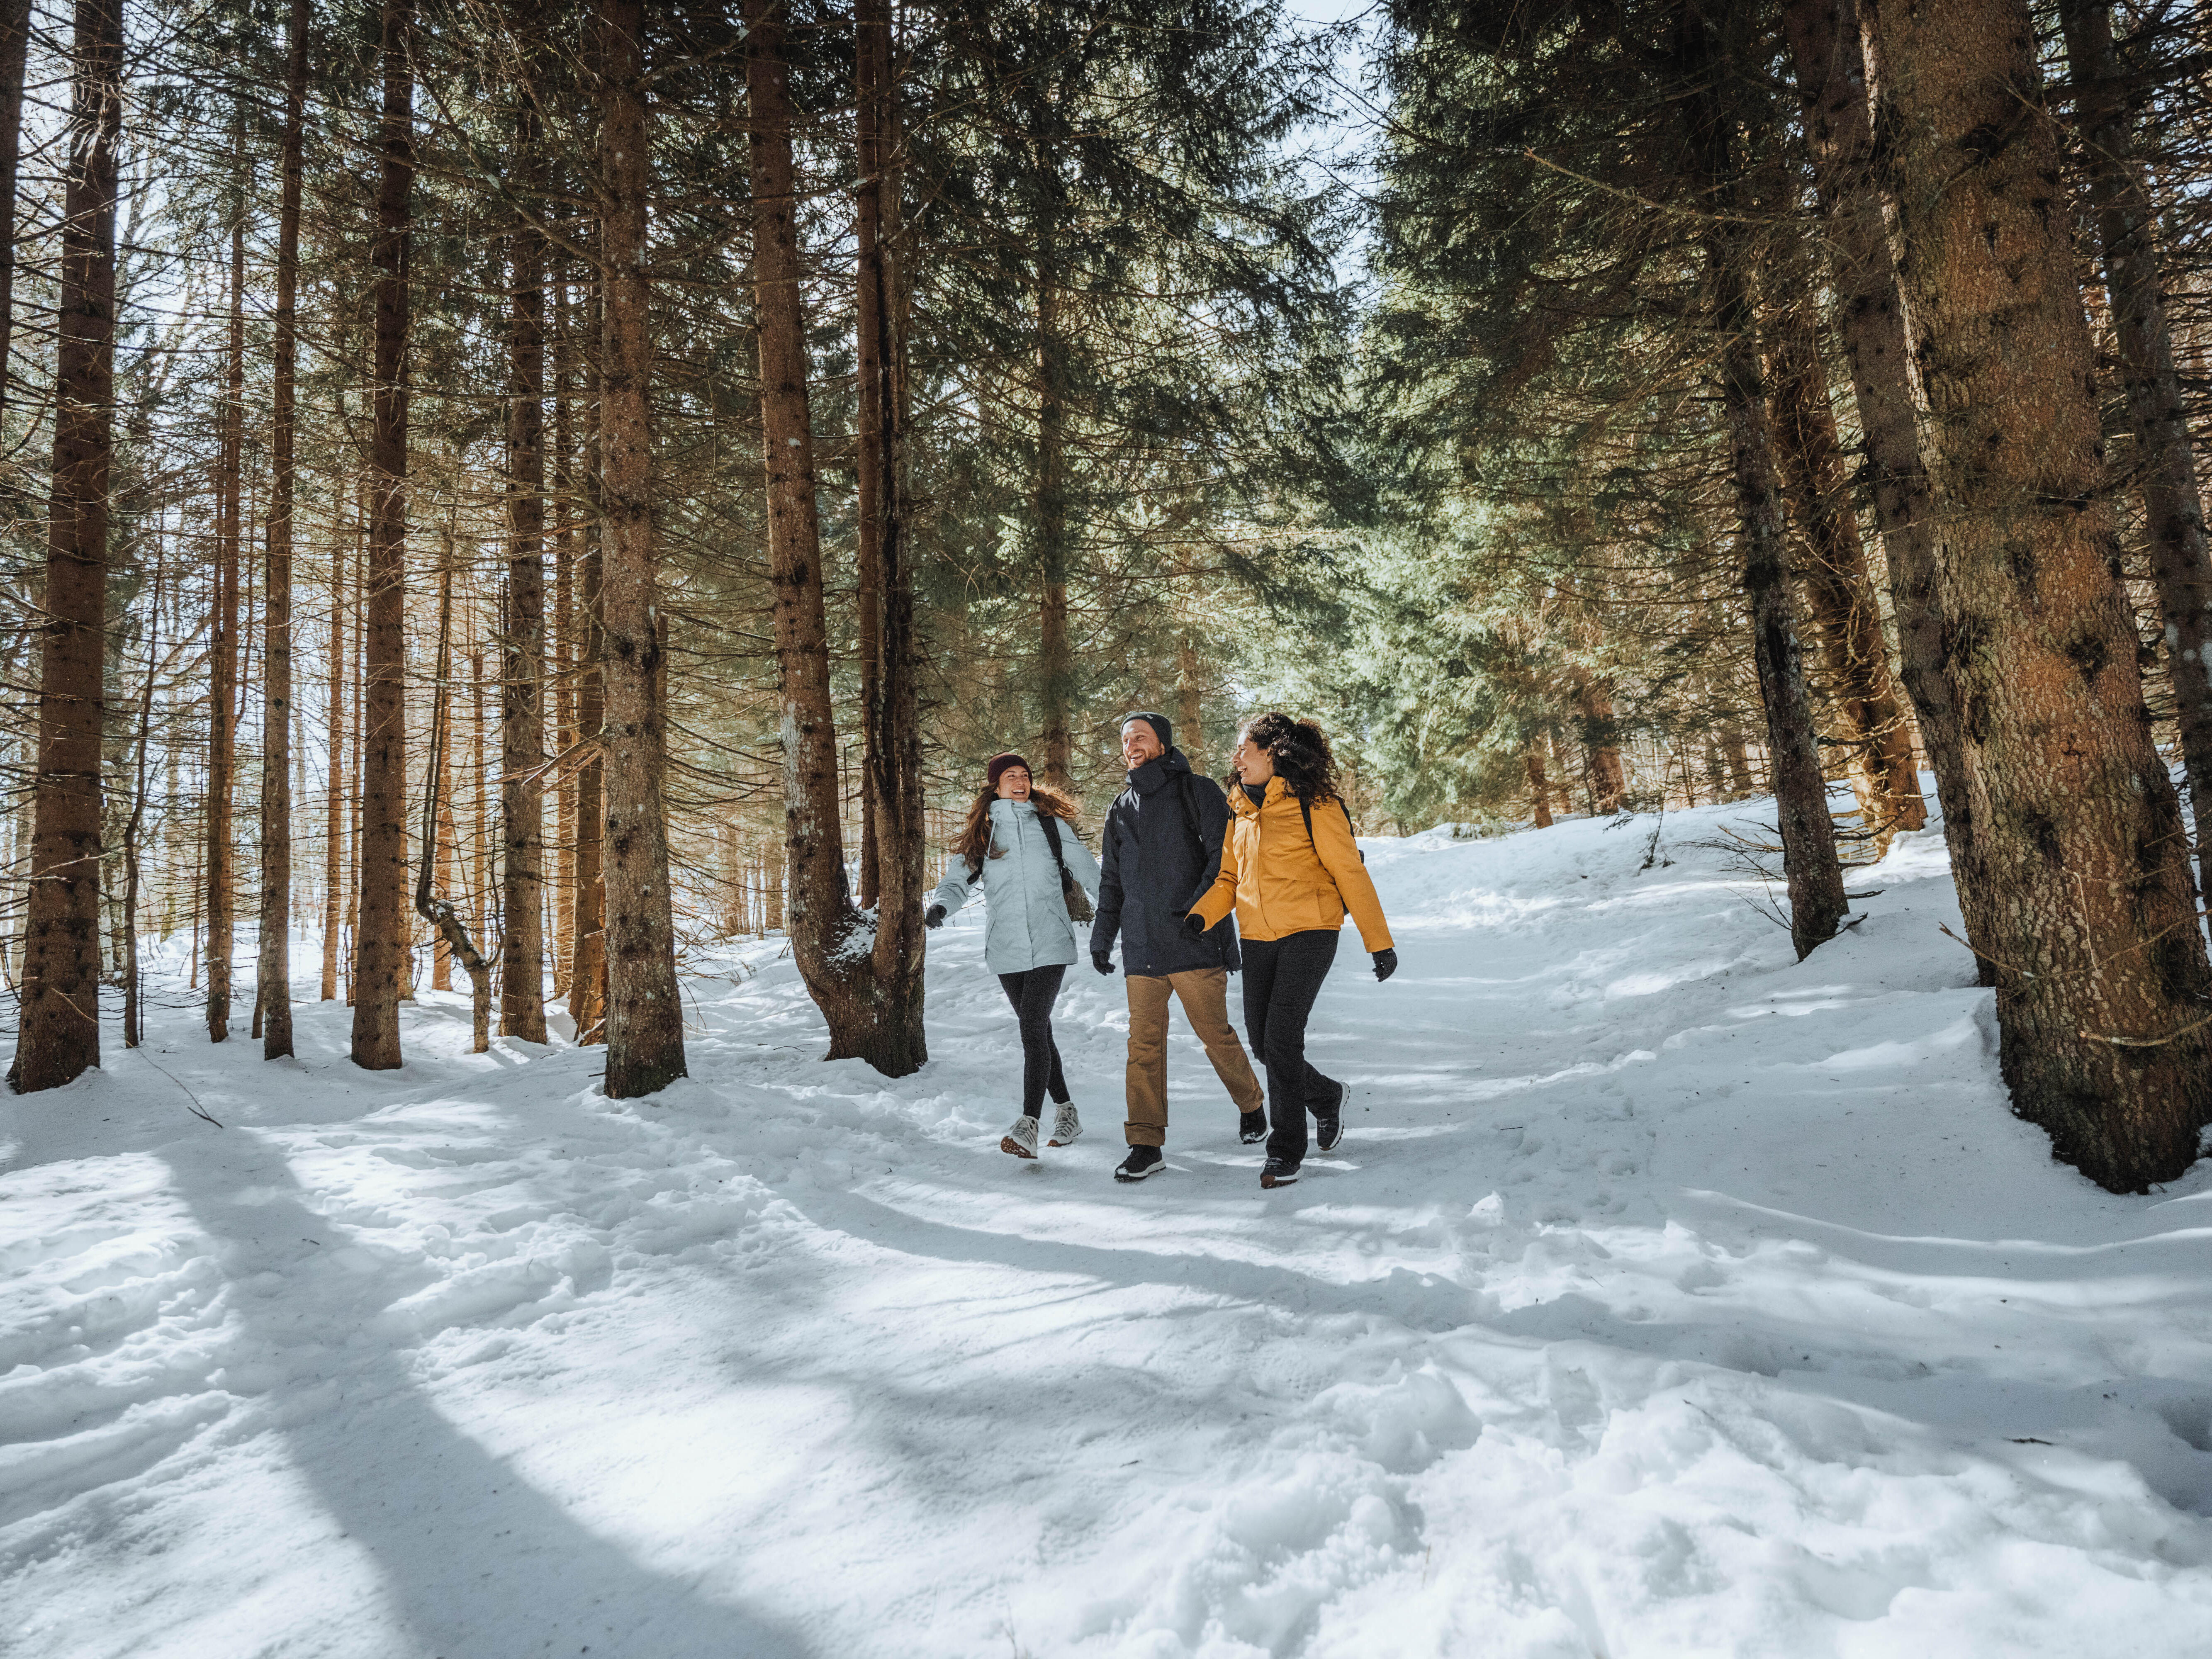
x: 1000, y: 762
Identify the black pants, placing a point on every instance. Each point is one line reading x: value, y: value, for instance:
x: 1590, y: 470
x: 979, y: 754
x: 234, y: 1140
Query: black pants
x: 1033, y: 994
x: 1282, y: 977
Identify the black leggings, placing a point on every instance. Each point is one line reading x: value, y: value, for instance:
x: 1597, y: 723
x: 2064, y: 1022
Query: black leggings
x: 1282, y: 977
x: 1033, y: 994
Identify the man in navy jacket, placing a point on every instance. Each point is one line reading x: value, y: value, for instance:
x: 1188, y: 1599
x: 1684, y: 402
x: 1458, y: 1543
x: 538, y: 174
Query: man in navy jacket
x: 1161, y: 850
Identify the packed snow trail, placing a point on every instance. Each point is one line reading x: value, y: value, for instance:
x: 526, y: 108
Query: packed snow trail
x: 1667, y: 1297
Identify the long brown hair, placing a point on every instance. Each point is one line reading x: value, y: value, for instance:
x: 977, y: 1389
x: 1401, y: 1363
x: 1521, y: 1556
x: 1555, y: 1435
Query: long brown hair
x: 1302, y: 756
x: 973, y: 844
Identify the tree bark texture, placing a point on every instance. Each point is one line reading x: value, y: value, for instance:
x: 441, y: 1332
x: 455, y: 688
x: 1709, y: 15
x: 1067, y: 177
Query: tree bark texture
x: 380, y: 934
x: 273, y: 976
x: 824, y: 925
x: 1608, y: 778
x: 587, y: 957
x: 2164, y: 464
x: 1538, y: 789
x: 223, y: 674
x: 58, y: 1031
x: 645, y: 1017
x: 1811, y: 869
x: 892, y: 752
x: 15, y: 55
x: 1838, y: 589
x: 434, y: 899
x: 1837, y: 112
x: 334, y: 790
x: 2101, y: 977
x: 1055, y: 655
x: 522, y: 677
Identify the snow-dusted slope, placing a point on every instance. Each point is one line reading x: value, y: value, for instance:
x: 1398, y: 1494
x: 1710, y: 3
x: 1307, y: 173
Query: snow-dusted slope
x: 1667, y: 1297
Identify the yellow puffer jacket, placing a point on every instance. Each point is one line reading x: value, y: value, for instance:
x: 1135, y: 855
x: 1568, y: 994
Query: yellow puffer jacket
x: 1281, y: 881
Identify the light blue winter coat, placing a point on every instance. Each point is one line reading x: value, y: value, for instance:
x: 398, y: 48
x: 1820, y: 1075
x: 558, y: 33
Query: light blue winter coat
x: 1025, y: 920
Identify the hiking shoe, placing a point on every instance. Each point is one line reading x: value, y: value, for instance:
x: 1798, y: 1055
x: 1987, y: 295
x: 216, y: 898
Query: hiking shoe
x: 1251, y: 1126
x: 1328, y: 1125
x: 1065, y: 1126
x: 1278, y: 1173
x: 1142, y: 1161
x: 1021, y: 1139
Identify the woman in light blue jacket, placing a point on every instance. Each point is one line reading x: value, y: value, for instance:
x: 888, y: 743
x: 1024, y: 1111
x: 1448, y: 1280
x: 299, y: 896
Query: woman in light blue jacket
x: 1021, y: 847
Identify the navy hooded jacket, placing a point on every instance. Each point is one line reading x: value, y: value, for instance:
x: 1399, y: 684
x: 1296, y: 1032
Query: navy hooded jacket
x: 1160, y: 849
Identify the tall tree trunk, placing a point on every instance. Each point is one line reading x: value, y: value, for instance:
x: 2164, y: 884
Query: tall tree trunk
x: 1055, y: 655
x: 273, y: 980
x: 564, y: 652
x: 1811, y: 869
x: 133, y: 828
x: 2102, y: 980
x: 334, y: 792
x: 58, y: 1033
x: 1190, y: 702
x: 434, y: 906
x: 381, y: 937
x: 2164, y: 466
x: 588, y: 983
x: 224, y: 682
x: 522, y: 679
x: 873, y: 448
x: 1838, y: 590
x: 892, y: 753
x: 645, y: 1016
x: 864, y: 1021
x: 1825, y: 45
x: 15, y: 55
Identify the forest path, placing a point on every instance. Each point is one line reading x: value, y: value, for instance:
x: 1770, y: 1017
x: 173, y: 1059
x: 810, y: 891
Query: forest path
x: 1665, y: 1296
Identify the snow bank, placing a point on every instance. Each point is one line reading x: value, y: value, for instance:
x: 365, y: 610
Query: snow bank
x: 1666, y: 1296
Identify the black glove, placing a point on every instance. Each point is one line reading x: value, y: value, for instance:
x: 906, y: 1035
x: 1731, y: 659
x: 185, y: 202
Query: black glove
x: 1102, y: 961
x: 934, y: 917
x: 1194, y: 924
x: 1386, y: 964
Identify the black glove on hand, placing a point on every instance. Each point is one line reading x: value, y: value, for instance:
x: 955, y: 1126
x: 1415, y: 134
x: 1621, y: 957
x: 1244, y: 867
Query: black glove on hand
x: 1102, y: 961
x: 1194, y: 924
x: 1386, y: 964
x: 934, y: 917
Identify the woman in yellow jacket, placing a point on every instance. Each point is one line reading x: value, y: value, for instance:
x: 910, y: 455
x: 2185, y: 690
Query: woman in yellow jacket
x: 1291, y: 871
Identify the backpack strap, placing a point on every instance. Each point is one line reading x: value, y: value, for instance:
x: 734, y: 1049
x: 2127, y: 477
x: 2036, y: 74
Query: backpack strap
x: 1051, y: 827
x: 1190, y: 818
x: 1305, y: 811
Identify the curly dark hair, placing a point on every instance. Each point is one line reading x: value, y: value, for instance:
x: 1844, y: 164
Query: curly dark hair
x: 1301, y: 753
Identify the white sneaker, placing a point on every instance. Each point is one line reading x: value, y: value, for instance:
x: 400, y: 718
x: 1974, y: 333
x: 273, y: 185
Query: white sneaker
x: 1021, y: 1139
x: 1065, y: 1126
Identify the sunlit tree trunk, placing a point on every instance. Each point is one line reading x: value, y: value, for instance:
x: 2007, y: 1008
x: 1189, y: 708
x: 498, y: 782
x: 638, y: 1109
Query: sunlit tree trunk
x: 273, y: 976
x: 2101, y: 976
x: 223, y: 664
x: 334, y: 791
x: 380, y: 936
x: 58, y: 1036
x: 587, y: 959
x: 645, y: 1018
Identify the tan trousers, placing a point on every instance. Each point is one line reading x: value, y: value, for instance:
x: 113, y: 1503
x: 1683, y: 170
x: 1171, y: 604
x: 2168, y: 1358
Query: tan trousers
x: 1204, y: 994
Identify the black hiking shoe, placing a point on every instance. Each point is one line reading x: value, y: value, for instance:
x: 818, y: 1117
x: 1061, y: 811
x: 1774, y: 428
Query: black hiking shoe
x: 1142, y: 1161
x: 1328, y: 1125
x: 1278, y: 1173
x: 1251, y: 1127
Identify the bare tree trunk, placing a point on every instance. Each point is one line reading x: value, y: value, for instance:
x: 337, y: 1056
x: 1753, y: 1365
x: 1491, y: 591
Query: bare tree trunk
x: 2101, y: 972
x: 645, y: 1016
x: 1055, y: 656
x: 1608, y: 780
x: 1824, y: 43
x: 133, y: 828
x: 380, y: 938
x: 273, y: 979
x: 1838, y: 590
x: 564, y: 657
x: 1190, y: 704
x: 823, y: 919
x: 436, y: 907
x: 522, y: 679
x: 1811, y: 868
x: 223, y: 674
x: 58, y: 1034
x: 1539, y: 787
x: 15, y: 54
x: 892, y: 761
x: 587, y: 993
x: 334, y: 792
x: 2164, y: 464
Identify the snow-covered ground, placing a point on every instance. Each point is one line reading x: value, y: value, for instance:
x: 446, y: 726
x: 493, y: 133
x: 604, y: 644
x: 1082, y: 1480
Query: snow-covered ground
x: 1667, y: 1297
